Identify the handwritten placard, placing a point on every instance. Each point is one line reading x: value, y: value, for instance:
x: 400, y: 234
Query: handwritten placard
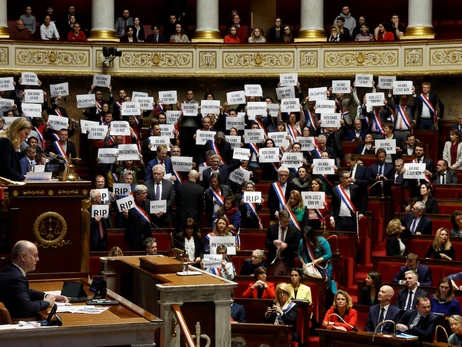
x: 168, y: 97
x: 323, y: 166
x: 235, y: 98
x: 156, y: 206
x: 8, y: 104
x: 325, y: 106
x: 29, y: 79
x: 158, y: 140
x: 386, y: 82
x: 269, y: 155
x: 203, y: 136
x: 61, y: 89
x: 130, y: 108
x: 253, y: 90
x: 107, y: 155
x: 241, y: 153
x: 136, y: 95
x: 8, y: 121
x: 279, y: 138
x: 290, y: 105
x: 363, y: 80
x: 341, y: 86
x: 314, y: 199
x: 6, y: 83
x: 330, y: 120
x: 414, y: 170
x: 239, y: 176
x: 256, y: 108
x: 85, y: 100
x: 285, y: 92
x: 57, y: 122
x: 292, y: 160
x: 210, y: 106
x: 253, y: 136
x: 375, y: 99
x: 120, y: 128
x: 227, y: 241
x: 97, y: 132
x: 182, y: 164
x: 173, y: 116
x: 316, y: 94
x: 146, y: 102
x: 167, y: 130
x: 273, y: 109
x: 307, y: 143
x: 388, y: 145
x: 234, y: 140
x: 235, y: 122
x: 85, y: 125
x: 213, y: 261
x: 190, y: 109
x: 402, y: 88
x: 103, y: 81
x: 288, y: 79
x: 128, y: 152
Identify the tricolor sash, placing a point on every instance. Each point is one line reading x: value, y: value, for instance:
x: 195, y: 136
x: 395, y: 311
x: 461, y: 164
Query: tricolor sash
x: 260, y: 125
x: 378, y: 122
x: 98, y: 105
x: 101, y: 121
x: 40, y: 137
x: 278, y: 190
x: 426, y: 177
x: 430, y: 106
x: 215, y: 149
x: 119, y: 104
x: 142, y: 213
x: 253, y: 210
x: 312, y: 256
x: 58, y: 112
x: 55, y: 136
x: 137, y: 140
x: 327, y: 180
x: 317, y: 152
x: 218, y: 197
x: 254, y: 148
x: 403, y: 118
x: 292, y: 132
x: 178, y: 176
x: 319, y: 211
x: 61, y: 150
x: 204, y: 164
x: 392, y: 117
x: 293, y: 219
x: 345, y: 198
x: 312, y: 121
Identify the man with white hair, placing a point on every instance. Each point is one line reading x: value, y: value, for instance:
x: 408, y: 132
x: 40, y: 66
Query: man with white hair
x: 137, y: 221
x: 407, y: 296
x: 160, y: 189
x: 279, y: 193
x: 416, y: 222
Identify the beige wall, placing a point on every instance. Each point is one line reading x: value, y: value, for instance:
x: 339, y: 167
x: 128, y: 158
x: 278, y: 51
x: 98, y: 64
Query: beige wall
x: 263, y: 14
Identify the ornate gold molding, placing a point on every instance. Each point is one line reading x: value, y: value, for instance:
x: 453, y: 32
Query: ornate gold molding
x: 207, y: 60
x: 50, y: 228
x: 311, y: 35
x: 445, y: 56
x: 103, y: 35
x: 4, y: 59
x: 413, y: 57
x: 263, y: 59
x: 366, y: 58
x: 309, y: 59
x: 419, y: 33
x: 4, y: 33
x: 133, y: 59
x: 207, y: 36
x: 64, y: 58
x: 68, y: 192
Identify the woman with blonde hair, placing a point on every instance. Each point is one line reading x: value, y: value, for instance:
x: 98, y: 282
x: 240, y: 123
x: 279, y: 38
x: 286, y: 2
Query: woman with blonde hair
x: 343, y: 307
x: 257, y: 36
x: 395, y: 246
x: 10, y: 142
x: 115, y: 252
x: 455, y: 322
x: 441, y: 247
x: 298, y: 208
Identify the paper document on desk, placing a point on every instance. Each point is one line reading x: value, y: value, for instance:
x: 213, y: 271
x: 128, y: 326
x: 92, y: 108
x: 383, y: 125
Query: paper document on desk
x: 406, y: 336
x: 82, y: 309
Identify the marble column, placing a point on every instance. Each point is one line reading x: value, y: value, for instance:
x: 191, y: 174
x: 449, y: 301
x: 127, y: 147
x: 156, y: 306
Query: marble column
x: 4, y: 31
x: 102, y: 21
x: 311, y: 21
x: 207, y: 29
x: 419, y: 20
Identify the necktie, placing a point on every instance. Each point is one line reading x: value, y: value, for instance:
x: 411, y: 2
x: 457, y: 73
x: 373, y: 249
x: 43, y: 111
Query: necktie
x: 381, y: 169
x: 443, y: 178
x: 157, y: 191
x: 381, y: 318
x: 420, y: 321
x: 413, y: 225
x: 161, y: 162
x: 101, y: 232
x: 409, y: 301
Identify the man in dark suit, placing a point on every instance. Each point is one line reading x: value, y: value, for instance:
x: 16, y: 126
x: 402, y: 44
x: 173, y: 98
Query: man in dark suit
x: 238, y: 312
x: 424, y: 273
x: 383, y: 173
x: 420, y: 321
x: 274, y: 204
x: 161, y: 158
x: 62, y: 145
x: 416, y: 222
x: 414, y: 185
x: 137, y: 221
x: 427, y: 113
x: 443, y: 174
x: 322, y: 147
x: 189, y: 199
x: 343, y: 215
x: 407, y: 296
x: 356, y: 134
x: 94, y: 113
x: 408, y: 146
x: 155, y: 37
x: 27, y: 160
x: 382, y: 311
x: 15, y: 294
x: 160, y: 189
x: 221, y: 147
x: 282, y: 241
x: 359, y: 175
x: 224, y: 170
x: 398, y: 174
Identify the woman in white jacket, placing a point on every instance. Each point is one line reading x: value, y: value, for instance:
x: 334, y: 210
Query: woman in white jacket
x: 452, y: 152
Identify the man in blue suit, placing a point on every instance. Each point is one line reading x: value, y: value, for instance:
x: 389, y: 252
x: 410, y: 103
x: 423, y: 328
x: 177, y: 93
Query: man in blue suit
x: 424, y: 273
x: 161, y: 158
x: 420, y: 322
x: 237, y: 312
x: 356, y: 134
x: 382, y: 172
x: 416, y: 222
x: 382, y: 311
x: 27, y: 160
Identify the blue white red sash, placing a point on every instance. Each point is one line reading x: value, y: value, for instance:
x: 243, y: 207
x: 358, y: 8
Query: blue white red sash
x: 61, y: 150
x: 289, y: 307
x: 426, y: 177
x: 430, y: 106
x: 178, y: 176
x: 260, y: 125
x: 293, y: 219
x: 135, y: 135
x: 278, y: 190
x: 55, y: 136
x: 142, y: 213
x: 58, y: 112
x: 161, y: 107
x: 254, y: 148
x: 402, y: 114
x: 215, y: 149
x: 327, y: 180
x: 40, y: 137
x: 392, y: 116
x: 310, y: 251
x: 204, y: 164
x: 292, y: 131
x: 345, y: 198
x: 253, y: 209
x: 101, y: 121
x: 218, y: 197
x: 378, y: 122
x: 319, y: 211
x: 312, y: 121
x: 98, y: 105
x: 119, y: 104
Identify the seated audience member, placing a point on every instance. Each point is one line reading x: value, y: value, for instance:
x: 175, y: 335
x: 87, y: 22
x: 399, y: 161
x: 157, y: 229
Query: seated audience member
x: 407, y: 297
x: 20, y: 32
x: 136, y: 220
x: 161, y: 189
x: 441, y: 247
x: 424, y: 273
x: 179, y: 35
x: 115, y: 252
x: 226, y: 270
x: 443, y: 301
x: 382, y: 311
x: 381, y: 33
x: 455, y: 322
x: 257, y: 36
x: 139, y: 30
x: 122, y: 22
x: 20, y: 301
x: 237, y: 312
x: 29, y: 20
x: 76, y: 34
x: 334, y: 34
x: 250, y: 265
x: 155, y: 37
x: 370, y: 293
x: 63, y: 147
x: 457, y: 126
x: 364, y: 35
x: 350, y: 21
x: 189, y: 240
x: 275, y: 34
x: 150, y: 246
x: 452, y: 151
x: 299, y: 291
x: 426, y: 196
x: 48, y: 30
x: 456, y: 220
x: 420, y: 321
x: 283, y: 311
x: 129, y: 34
x: 408, y: 146
x: 98, y: 226
x: 367, y: 147
x: 28, y: 161
x: 395, y: 246
x: 343, y: 31
x: 230, y: 211
x: 343, y: 307
x: 444, y: 175
x: 260, y: 289
x: 397, y: 29
x: 357, y: 133
x: 288, y: 36
x: 357, y: 28
x: 233, y: 36
x: 416, y: 222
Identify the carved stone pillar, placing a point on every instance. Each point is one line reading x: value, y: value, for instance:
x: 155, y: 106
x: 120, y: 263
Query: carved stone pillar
x: 207, y: 22
x: 419, y: 20
x: 102, y: 21
x: 4, y: 31
x: 311, y: 21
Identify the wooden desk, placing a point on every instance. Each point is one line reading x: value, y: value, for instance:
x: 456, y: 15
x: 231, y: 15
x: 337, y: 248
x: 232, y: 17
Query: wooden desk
x: 123, y: 324
x: 331, y: 338
x: 257, y: 334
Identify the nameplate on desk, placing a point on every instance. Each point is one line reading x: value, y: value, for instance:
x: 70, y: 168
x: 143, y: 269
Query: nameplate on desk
x: 189, y: 273
x: 38, y: 176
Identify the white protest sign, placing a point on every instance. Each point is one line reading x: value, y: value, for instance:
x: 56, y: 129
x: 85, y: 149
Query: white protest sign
x: 61, y: 89
x: 234, y: 140
x: 307, y: 143
x: 292, y: 160
x: 273, y: 109
x: 103, y: 81
x: 254, y: 136
x: 105, y: 198
x: 128, y: 152
x: 414, y: 171
x: 402, y: 88
x: 241, y: 153
x: 8, y: 104
x: 290, y: 105
x: 239, y: 176
x: 35, y: 110
x: 253, y: 90
x: 190, y: 109
x: 57, y: 122
x: 285, y: 92
x: 203, y: 136
x: 146, y: 102
x: 181, y: 164
x: 97, y: 132
x: 120, y: 127
x: 235, y: 122
x: 363, y: 80
x: 279, y: 138
x: 39, y: 168
x: 330, y: 120
x: 323, y: 166
x: 8, y: 121
x: 107, y: 155
x: 227, y: 241
x: 168, y: 97
x: 388, y: 145
x: 213, y: 261
x: 156, y: 206
x: 256, y: 108
x: 29, y: 79
x: 136, y: 95
x: 158, y: 140
x: 269, y: 155
x: 126, y: 203
x: 130, y: 108
x: 6, y: 83
x: 314, y: 199
x: 341, y: 86
x: 241, y: 114
x: 85, y: 100
x: 386, y: 82
x: 235, y: 98
x: 254, y: 197
x: 375, y: 99
x: 210, y: 106
x: 172, y: 116
x: 167, y: 130
x: 100, y: 211
x: 85, y: 125
x: 317, y: 93
x: 325, y: 106
x: 202, y: 168
x: 288, y: 79
x: 121, y: 189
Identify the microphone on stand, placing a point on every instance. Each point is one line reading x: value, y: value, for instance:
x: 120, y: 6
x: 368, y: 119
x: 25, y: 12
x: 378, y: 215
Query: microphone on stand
x: 171, y: 252
x: 445, y: 332
x: 382, y: 322
x: 352, y: 327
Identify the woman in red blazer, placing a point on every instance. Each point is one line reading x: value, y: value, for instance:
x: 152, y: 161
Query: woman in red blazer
x: 260, y: 289
x: 343, y: 307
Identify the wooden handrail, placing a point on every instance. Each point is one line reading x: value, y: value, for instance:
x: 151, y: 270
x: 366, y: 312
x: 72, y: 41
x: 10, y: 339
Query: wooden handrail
x: 183, y: 326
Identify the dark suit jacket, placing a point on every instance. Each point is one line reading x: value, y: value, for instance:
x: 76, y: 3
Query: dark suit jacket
x: 424, y: 329
x: 168, y: 167
x: 238, y: 313
x: 198, y: 245
x: 168, y: 193
x: 226, y: 152
x: 359, y: 149
x: 292, y: 239
x: 351, y: 135
x: 393, y: 248
x: 425, y: 225
x: 224, y: 171
x: 451, y: 177
x: 137, y: 229
x: 373, y: 318
x: 402, y: 296
x: 225, y: 191
x: 388, y: 172
x: 70, y: 150
x: 25, y: 165
x: 151, y: 38
x: 189, y: 199
x: 435, y: 101
x: 356, y: 197
x: 273, y: 201
x: 9, y: 161
x: 365, y: 297
x: 15, y: 294
x: 423, y: 272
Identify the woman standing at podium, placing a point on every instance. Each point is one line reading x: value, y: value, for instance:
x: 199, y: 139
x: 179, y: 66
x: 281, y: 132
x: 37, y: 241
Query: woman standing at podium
x: 10, y: 141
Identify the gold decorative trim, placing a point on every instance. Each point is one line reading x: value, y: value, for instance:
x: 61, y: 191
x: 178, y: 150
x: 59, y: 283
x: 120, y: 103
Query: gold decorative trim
x: 444, y: 56
x: 51, y: 192
x: 265, y: 59
x: 134, y: 59
x: 4, y: 56
x: 50, y: 228
x: 309, y: 59
x: 4, y: 33
x: 68, y: 192
x: 311, y: 35
x: 366, y: 58
x: 207, y: 36
x: 15, y: 193
x: 413, y: 57
x: 62, y: 58
x: 207, y: 60
x: 418, y: 33
x: 103, y: 35
x: 33, y: 192
x: 85, y: 192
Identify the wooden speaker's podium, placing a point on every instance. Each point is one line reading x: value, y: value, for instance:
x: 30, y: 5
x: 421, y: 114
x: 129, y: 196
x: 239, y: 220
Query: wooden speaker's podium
x: 335, y: 338
x: 50, y: 214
